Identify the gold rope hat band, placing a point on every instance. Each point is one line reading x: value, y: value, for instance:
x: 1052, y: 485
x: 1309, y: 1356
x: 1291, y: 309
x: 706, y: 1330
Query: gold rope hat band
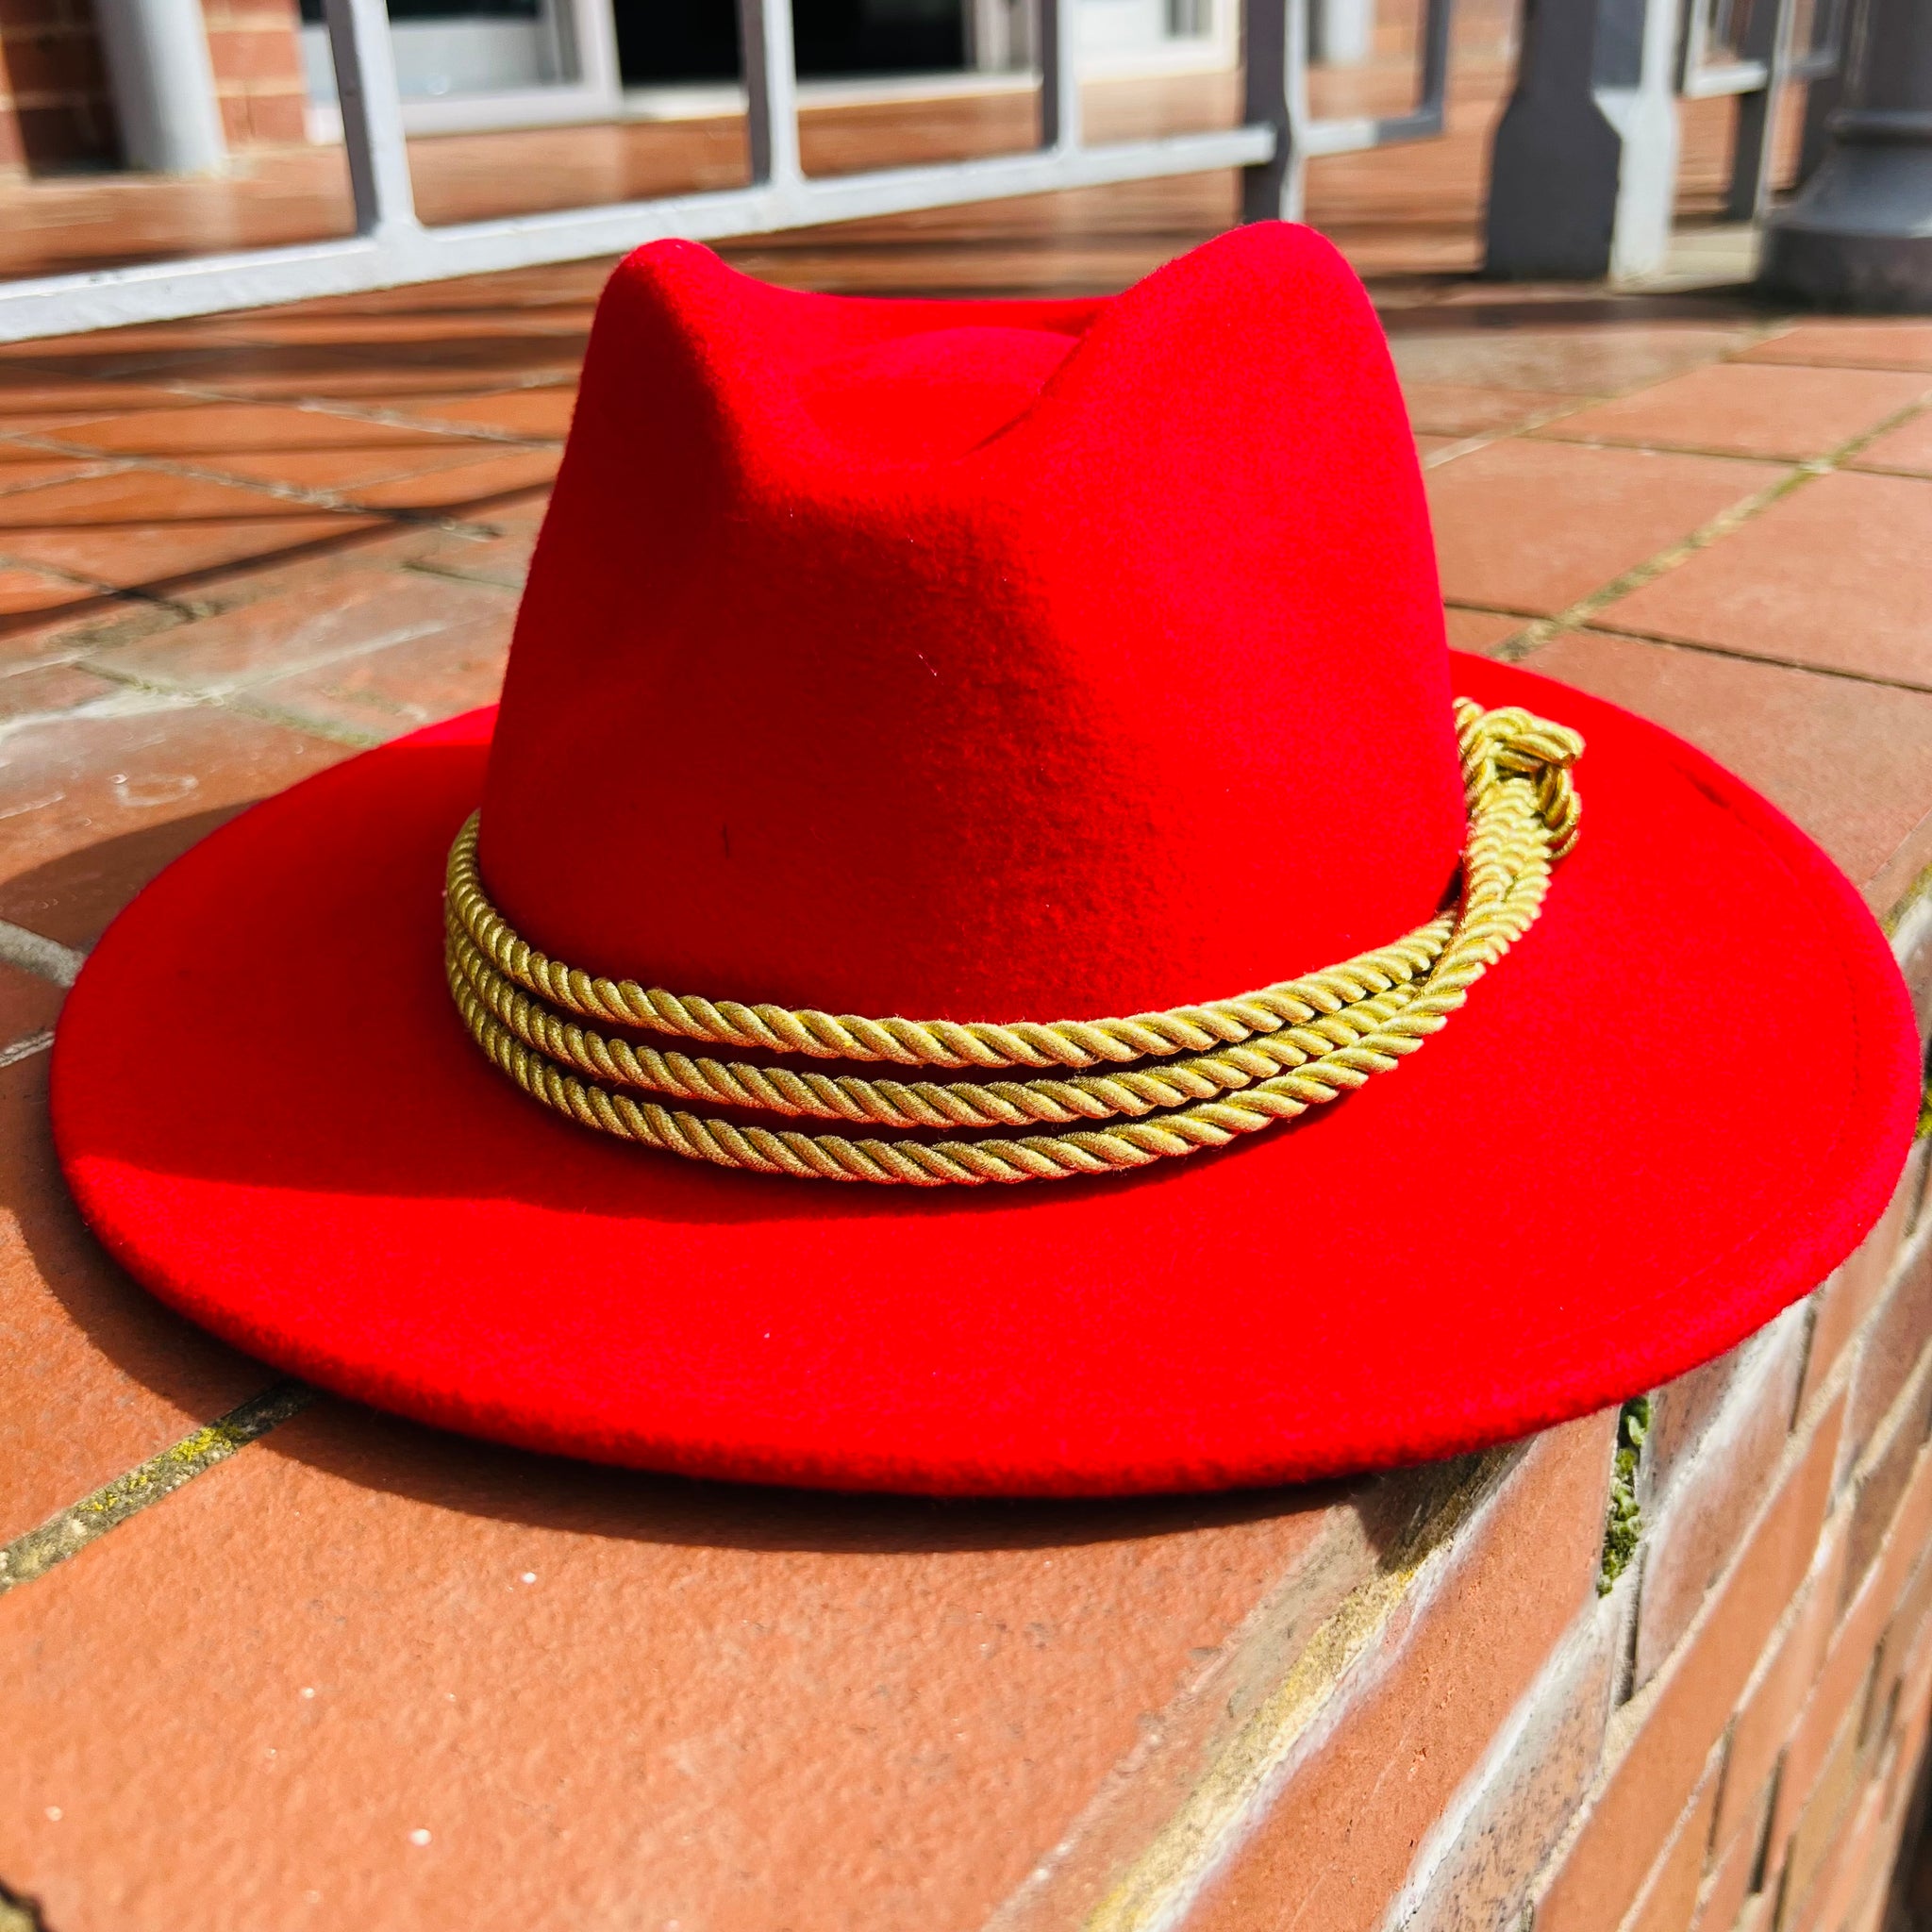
x: 896, y: 1103
x: 1265, y: 1057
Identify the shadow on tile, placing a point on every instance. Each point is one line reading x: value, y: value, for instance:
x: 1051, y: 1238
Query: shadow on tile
x: 450, y: 1472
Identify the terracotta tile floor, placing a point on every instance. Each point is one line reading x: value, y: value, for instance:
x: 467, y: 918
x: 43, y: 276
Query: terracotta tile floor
x: 361, y: 1675
x: 1741, y: 409
x: 1907, y: 448
x: 1603, y: 512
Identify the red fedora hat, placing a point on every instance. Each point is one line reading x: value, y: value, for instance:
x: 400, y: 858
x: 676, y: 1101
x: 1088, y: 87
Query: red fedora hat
x: 956, y: 743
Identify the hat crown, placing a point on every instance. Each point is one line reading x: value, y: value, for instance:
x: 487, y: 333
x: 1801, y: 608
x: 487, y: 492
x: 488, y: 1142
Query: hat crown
x: 980, y: 661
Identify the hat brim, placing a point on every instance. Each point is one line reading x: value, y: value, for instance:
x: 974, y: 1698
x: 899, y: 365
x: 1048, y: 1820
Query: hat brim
x: 1672, y: 1108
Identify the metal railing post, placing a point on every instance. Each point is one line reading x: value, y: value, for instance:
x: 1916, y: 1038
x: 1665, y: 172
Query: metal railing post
x: 1433, y: 90
x: 993, y: 44
x: 1342, y: 33
x: 1767, y: 40
x: 1823, y: 70
x: 372, y: 117
x: 1060, y: 74
x: 1275, y: 79
x: 1860, y: 235
x: 771, y: 84
x: 162, y: 84
x: 1584, y: 166
x: 390, y: 248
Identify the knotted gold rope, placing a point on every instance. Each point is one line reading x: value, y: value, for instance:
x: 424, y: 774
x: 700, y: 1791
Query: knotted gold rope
x: 1244, y: 1064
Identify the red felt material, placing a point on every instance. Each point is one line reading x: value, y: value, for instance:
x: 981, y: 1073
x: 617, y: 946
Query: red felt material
x: 979, y: 661
x: 982, y: 660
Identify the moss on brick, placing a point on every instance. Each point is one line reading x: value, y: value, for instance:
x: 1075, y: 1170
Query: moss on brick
x: 37, y: 1552
x: 18, y: 1914
x: 1623, y: 1523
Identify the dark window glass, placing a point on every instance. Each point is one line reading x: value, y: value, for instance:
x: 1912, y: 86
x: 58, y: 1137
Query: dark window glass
x: 442, y: 9
x: 661, y: 41
x: 664, y: 40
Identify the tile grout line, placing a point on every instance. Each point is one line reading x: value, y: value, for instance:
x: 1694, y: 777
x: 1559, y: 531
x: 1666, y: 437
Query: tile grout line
x: 346, y: 409
x: 18, y: 1912
x: 1537, y: 420
x: 1534, y: 425
x: 24, y: 1050
x: 34, y: 953
x: 127, y: 700
x: 1735, y: 656
x: 462, y: 520
x: 341, y: 409
x: 347, y: 736
x: 1344, y: 1659
x: 100, y: 661
x: 61, y: 1536
x: 234, y: 703
x: 98, y: 586
x: 342, y: 501
x: 1887, y: 469
x: 1577, y: 615
x: 466, y: 519
x: 454, y: 517
x: 1833, y: 458
x: 1526, y: 427
x: 87, y: 468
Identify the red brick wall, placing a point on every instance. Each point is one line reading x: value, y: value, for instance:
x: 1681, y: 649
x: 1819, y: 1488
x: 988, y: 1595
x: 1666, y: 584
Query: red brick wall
x: 1752, y: 1769
x: 55, y: 110
x: 1729, y: 1739
x: 258, y: 68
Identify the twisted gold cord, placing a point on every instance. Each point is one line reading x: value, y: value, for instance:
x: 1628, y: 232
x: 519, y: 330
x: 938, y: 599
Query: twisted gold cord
x: 892, y: 1103
x: 915, y: 1042
x: 1268, y: 1056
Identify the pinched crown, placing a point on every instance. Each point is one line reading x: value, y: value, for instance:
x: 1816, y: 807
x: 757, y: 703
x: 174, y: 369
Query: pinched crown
x: 981, y: 660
